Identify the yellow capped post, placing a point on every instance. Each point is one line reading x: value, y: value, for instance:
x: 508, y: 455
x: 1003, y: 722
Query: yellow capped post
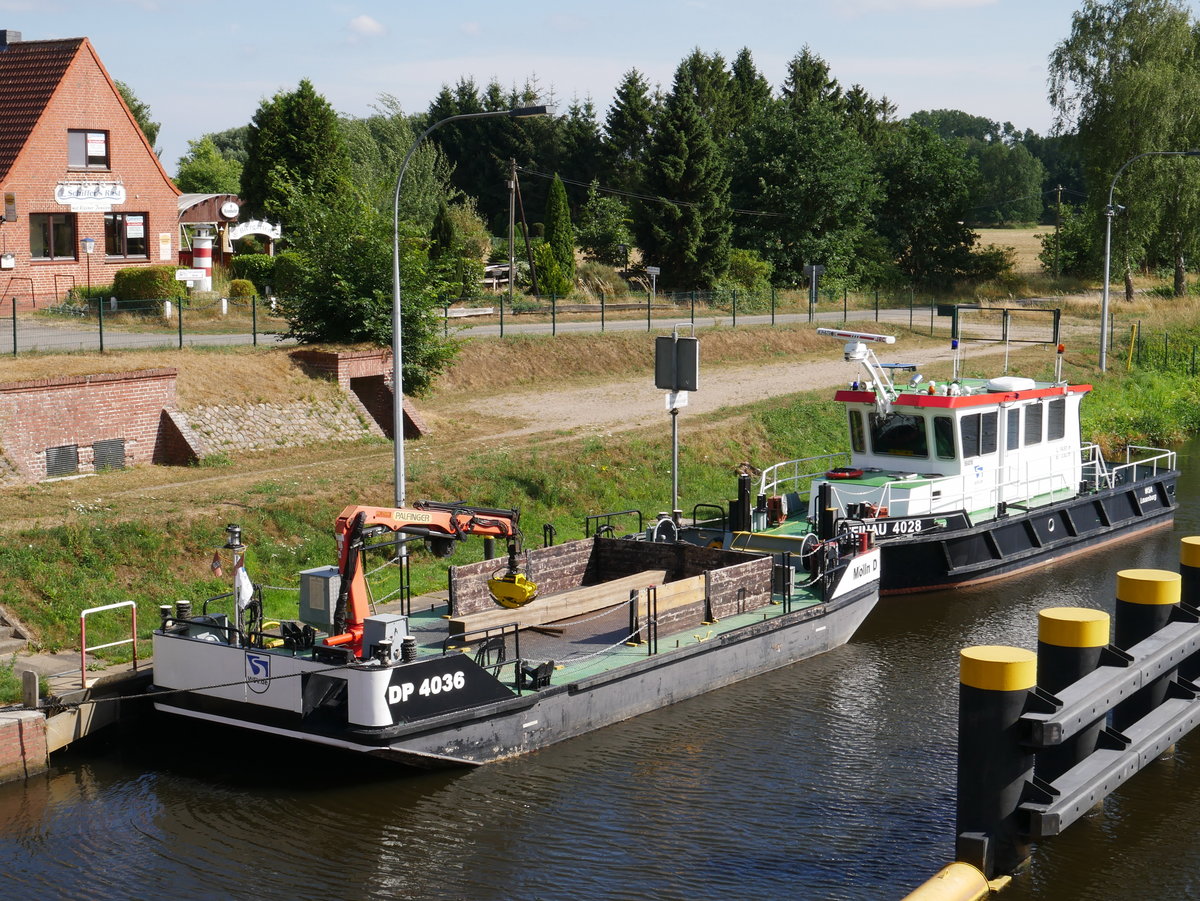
x: 1146, y: 601
x: 993, y: 766
x: 1070, y: 643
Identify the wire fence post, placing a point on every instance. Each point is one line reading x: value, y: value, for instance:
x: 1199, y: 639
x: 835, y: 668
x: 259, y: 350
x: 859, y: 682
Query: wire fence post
x: 844, y: 302
x: 693, y: 307
x: 179, y: 321
x: 100, y: 319
x: 772, y: 305
x: 911, y: 300
x: 254, y: 320
x: 876, y: 304
x: 602, y: 312
x: 553, y: 315
x: 735, y: 309
x: 647, y: 311
x: 502, y: 313
x: 14, y: 315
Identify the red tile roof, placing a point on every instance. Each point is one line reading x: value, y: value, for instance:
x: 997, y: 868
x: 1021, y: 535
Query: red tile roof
x: 30, y: 71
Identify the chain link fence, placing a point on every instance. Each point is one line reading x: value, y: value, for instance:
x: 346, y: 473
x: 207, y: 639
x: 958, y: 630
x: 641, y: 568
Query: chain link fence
x: 106, y: 323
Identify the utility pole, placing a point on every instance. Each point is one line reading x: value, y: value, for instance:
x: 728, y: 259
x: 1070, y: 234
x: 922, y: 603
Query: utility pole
x: 1057, y: 223
x: 512, y: 228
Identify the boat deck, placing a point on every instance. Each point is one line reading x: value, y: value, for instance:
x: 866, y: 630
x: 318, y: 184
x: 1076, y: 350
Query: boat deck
x: 595, y: 643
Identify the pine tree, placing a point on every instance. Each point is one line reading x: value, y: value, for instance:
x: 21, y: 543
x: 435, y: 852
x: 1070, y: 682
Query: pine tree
x: 687, y: 232
x: 627, y: 131
x: 560, y: 235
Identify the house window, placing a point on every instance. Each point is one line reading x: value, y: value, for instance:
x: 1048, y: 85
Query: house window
x: 87, y: 149
x: 125, y: 234
x: 52, y: 236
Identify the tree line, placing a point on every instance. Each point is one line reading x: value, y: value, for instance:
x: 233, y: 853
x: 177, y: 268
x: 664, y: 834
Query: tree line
x: 721, y: 176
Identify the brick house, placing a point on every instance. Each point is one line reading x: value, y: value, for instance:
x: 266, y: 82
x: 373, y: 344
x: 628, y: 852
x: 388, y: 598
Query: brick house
x: 75, y: 171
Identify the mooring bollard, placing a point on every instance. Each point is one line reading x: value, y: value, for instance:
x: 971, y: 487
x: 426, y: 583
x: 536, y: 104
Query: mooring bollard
x: 1070, y: 642
x: 1146, y: 601
x: 993, y: 691
x: 1189, y: 570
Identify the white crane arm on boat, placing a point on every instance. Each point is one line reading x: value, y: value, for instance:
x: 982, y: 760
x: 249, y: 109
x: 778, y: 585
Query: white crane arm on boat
x: 857, y: 352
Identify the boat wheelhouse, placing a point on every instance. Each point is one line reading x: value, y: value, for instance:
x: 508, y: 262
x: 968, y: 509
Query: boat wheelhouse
x: 961, y: 481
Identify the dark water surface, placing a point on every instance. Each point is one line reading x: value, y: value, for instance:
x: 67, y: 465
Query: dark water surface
x: 833, y: 779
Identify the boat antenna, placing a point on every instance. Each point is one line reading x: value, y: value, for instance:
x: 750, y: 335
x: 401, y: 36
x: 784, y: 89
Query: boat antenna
x: 956, y: 357
x: 858, y: 352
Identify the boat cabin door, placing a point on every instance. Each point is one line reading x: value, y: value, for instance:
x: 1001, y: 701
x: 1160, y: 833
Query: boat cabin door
x: 1008, y: 478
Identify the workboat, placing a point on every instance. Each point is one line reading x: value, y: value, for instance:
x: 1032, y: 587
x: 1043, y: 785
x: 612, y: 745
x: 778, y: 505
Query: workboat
x: 958, y: 482
x: 557, y: 642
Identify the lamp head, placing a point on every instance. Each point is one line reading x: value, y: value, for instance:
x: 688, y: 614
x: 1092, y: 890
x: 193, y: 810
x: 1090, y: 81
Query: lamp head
x: 524, y: 112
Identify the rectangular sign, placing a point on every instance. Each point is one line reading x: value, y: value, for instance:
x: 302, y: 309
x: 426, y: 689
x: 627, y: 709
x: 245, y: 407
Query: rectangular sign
x: 189, y: 275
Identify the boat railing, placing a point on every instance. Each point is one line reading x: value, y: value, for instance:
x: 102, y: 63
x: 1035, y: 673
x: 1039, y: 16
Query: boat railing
x: 795, y: 475
x: 1141, y: 463
x: 958, y: 492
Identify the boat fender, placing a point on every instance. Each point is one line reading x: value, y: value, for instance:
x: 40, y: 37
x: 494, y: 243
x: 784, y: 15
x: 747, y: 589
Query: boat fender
x: 844, y: 472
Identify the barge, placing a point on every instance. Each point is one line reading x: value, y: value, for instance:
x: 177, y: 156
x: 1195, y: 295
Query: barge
x: 601, y: 630
x: 960, y: 482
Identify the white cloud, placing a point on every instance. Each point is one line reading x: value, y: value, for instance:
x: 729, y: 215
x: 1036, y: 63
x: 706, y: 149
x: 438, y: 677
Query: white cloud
x: 472, y: 29
x: 365, y: 26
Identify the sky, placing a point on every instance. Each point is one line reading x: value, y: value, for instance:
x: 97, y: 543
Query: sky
x: 206, y: 66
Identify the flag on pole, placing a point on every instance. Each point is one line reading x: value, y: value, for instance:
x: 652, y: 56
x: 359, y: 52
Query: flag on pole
x: 216, y: 564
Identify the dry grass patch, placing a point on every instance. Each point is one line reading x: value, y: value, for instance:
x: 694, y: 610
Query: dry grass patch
x: 243, y: 375
x: 1023, y: 241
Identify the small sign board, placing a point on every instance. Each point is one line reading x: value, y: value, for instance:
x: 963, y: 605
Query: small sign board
x: 653, y: 270
x: 189, y: 275
x: 676, y: 399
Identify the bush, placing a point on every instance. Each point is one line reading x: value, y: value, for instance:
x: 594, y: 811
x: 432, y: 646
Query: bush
x: 290, y: 271
x: 242, y: 288
x: 257, y: 267
x: 148, y: 283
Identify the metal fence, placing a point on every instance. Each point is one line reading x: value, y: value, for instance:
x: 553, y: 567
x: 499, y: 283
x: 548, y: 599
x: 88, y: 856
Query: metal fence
x: 99, y: 324
x: 757, y: 307
x: 1163, y: 351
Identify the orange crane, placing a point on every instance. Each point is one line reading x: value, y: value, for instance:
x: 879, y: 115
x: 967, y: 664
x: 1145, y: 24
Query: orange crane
x: 440, y: 525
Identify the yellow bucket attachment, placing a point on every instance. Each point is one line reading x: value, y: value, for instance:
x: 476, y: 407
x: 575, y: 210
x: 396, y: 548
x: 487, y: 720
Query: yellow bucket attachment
x: 512, y: 590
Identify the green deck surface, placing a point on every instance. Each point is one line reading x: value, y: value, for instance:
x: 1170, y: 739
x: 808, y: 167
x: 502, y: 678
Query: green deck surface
x: 592, y: 644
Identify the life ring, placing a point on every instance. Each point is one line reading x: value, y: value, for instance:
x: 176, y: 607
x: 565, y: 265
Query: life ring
x: 844, y: 472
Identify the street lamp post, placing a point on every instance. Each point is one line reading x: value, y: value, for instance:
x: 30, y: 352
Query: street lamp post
x: 1109, y: 211
x: 88, y: 245
x: 397, y: 346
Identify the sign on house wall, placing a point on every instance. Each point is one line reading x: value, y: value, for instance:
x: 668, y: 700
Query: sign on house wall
x: 89, y: 196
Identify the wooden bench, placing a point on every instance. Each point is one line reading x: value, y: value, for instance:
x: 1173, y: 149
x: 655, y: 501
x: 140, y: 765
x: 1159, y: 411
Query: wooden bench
x: 562, y: 605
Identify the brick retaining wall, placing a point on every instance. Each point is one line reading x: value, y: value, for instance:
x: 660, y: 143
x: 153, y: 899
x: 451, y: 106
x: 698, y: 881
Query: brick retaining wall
x: 23, y: 750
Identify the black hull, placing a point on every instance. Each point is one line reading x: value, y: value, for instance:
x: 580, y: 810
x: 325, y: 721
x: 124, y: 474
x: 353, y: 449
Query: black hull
x: 532, y: 721
x: 1023, y: 539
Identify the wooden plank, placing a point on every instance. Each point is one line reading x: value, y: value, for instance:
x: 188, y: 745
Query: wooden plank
x: 562, y: 605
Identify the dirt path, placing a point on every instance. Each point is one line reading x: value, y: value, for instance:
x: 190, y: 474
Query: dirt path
x: 635, y: 403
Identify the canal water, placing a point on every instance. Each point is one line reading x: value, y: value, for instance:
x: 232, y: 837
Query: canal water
x: 832, y: 779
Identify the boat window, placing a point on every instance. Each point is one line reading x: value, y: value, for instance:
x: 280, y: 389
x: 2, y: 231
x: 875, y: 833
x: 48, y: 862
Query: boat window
x: 1033, y: 424
x: 979, y: 434
x: 943, y: 437
x: 1056, y: 422
x: 1013, y: 420
x: 899, y: 434
x: 857, y: 438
